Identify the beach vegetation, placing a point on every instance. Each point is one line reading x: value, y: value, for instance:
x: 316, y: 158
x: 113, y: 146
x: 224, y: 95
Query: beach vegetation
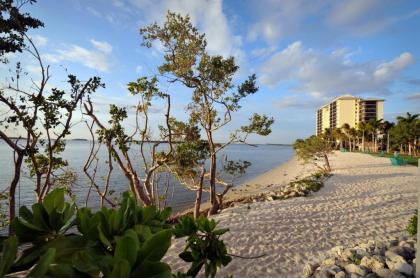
x: 311, y: 183
x: 55, y: 239
x: 412, y: 224
x: 214, y: 96
x: 313, y: 150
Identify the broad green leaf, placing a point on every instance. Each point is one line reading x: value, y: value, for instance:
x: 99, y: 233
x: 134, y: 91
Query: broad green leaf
x: 84, y: 262
x: 121, y: 269
x: 126, y: 249
x: 164, y: 214
x: 42, y: 267
x: 143, y: 232
x: 54, y: 200
x: 103, y: 238
x: 40, y: 217
x: 155, y: 248
x: 8, y: 254
x: 153, y: 270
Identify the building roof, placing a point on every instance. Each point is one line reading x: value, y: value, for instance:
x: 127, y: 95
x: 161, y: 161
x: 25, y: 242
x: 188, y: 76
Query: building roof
x: 348, y: 96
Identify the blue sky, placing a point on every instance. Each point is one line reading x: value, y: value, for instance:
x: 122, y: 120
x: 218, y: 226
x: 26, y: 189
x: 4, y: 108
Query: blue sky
x: 304, y: 52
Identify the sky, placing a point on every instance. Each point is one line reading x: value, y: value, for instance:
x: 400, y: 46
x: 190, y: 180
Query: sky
x: 304, y: 53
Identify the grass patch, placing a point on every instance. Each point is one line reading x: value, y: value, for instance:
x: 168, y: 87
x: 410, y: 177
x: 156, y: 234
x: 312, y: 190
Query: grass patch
x: 312, y: 183
x: 412, y: 225
x: 411, y: 160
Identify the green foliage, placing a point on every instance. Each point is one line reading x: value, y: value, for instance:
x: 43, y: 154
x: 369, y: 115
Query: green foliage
x: 129, y: 241
x: 356, y: 260
x: 312, y: 183
x: 412, y: 225
x: 47, y: 220
x: 4, y: 221
x: 8, y: 254
x: 204, y: 247
x: 14, y: 24
x: 313, y: 149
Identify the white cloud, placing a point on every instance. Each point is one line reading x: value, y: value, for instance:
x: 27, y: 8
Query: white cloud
x: 102, y: 46
x: 139, y: 69
x: 93, y: 11
x: 348, y: 12
x: 413, y: 97
x: 39, y: 40
x: 326, y: 74
x: 208, y: 15
x: 276, y: 19
x: 387, y: 71
x: 96, y: 58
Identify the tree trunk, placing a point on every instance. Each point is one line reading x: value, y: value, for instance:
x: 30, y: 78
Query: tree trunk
x: 213, y: 197
x: 12, y: 191
x: 363, y: 142
x: 387, y: 142
x: 198, y: 196
x: 327, y: 163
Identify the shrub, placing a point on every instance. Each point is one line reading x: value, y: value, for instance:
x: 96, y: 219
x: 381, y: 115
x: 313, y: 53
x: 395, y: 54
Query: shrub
x: 128, y: 241
x: 412, y: 224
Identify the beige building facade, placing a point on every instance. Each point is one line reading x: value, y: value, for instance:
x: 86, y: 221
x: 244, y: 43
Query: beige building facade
x: 349, y: 110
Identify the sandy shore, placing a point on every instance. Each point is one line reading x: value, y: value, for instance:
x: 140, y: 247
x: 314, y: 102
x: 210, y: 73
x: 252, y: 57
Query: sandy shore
x: 275, y: 178
x: 366, y: 198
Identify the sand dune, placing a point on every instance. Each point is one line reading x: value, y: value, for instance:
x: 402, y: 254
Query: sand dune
x: 366, y: 198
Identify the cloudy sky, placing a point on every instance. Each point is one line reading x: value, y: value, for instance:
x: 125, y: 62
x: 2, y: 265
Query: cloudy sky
x: 304, y: 52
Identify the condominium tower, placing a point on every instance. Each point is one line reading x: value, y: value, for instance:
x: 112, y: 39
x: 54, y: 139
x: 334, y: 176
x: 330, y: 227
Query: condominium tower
x: 350, y: 110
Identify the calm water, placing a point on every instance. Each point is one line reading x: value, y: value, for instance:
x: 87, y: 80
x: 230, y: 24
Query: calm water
x: 262, y: 157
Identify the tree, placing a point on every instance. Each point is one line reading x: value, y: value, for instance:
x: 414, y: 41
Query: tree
x: 385, y: 130
x: 14, y: 25
x: 312, y: 149
x: 43, y: 115
x: 407, y: 132
x: 187, y: 62
x: 118, y: 141
x: 362, y: 127
x: 374, y: 126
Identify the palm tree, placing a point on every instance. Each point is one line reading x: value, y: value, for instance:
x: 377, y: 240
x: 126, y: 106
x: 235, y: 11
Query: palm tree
x: 409, y: 127
x: 386, y: 127
x: 362, y: 127
x: 346, y: 129
x: 353, y: 135
x: 338, y: 135
x: 374, y: 125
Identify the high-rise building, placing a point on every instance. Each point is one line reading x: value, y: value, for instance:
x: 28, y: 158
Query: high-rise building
x: 350, y: 110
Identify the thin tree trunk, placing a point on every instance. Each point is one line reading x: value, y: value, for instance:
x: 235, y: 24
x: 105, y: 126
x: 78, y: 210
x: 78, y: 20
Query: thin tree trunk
x: 387, y: 142
x: 327, y: 163
x: 199, y: 194
x: 213, y: 197
x: 12, y: 190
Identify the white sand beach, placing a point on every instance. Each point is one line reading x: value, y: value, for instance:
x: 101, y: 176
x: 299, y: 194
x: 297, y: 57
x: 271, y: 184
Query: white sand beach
x: 366, y: 198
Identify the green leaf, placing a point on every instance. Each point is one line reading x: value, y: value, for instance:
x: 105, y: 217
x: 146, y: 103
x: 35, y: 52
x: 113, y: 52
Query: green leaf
x: 126, y: 249
x: 8, y: 254
x: 153, y: 270
x: 155, y: 248
x: 186, y: 256
x: 42, y: 267
x: 143, y: 232
x: 63, y: 271
x: 54, y: 200
x: 40, y: 217
x: 84, y: 262
x: 121, y: 269
x: 165, y: 213
x: 103, y: 238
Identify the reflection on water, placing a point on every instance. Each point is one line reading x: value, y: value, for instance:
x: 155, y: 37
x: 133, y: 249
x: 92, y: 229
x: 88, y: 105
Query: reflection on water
x: 262, y: 157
